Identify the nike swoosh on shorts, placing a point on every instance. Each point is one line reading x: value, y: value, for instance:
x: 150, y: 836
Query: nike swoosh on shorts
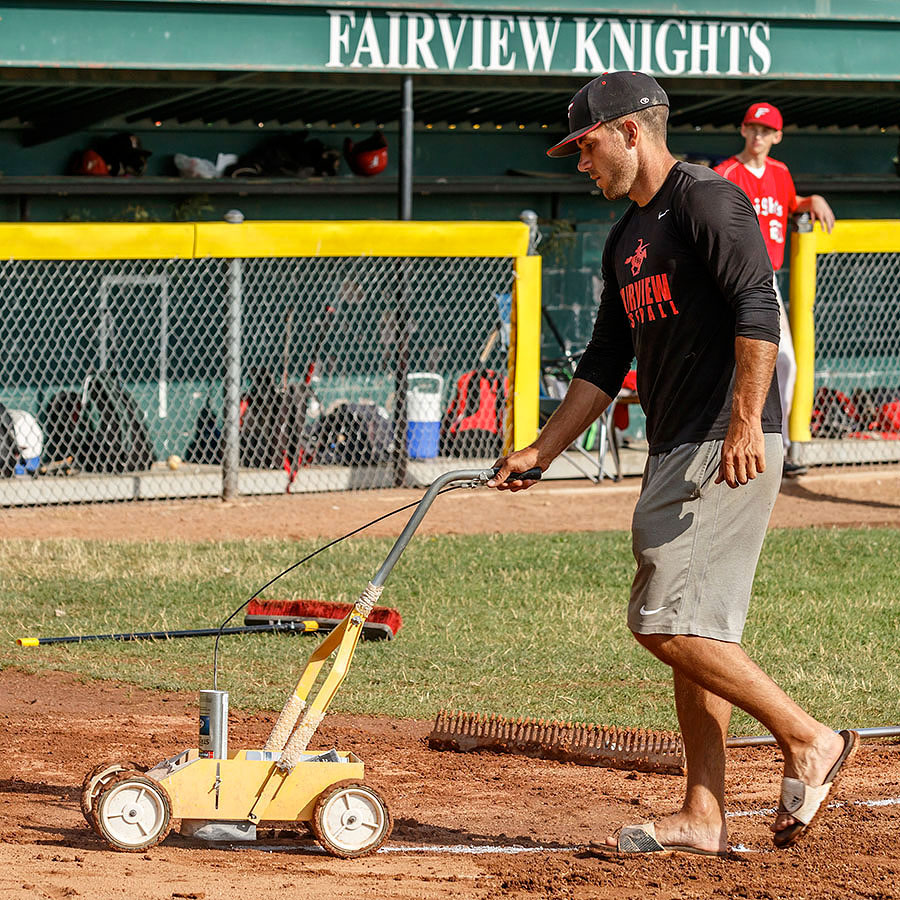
x: 650, y: 612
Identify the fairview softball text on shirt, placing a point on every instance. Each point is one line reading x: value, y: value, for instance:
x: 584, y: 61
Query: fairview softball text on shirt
x: 648, y: 298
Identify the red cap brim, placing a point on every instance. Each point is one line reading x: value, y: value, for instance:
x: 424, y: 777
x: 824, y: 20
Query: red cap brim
x: 566, y: 147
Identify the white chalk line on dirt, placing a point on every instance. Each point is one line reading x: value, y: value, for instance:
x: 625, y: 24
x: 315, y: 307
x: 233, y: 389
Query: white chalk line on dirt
x: 888, y: 801
x: 428, y: 848
x: 462, y: 848
x: 480, y: 849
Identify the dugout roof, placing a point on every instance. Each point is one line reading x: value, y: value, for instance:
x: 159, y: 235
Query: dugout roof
x: 68, y: 66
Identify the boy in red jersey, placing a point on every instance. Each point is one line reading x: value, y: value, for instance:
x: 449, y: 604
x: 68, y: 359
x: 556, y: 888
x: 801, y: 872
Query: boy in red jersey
x: 768, y: 184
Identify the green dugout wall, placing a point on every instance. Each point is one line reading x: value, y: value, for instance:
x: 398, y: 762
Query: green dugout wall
x: 491, y: 81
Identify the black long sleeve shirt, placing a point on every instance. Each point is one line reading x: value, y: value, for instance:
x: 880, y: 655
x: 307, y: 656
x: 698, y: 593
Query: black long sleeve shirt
x: 683, y: 277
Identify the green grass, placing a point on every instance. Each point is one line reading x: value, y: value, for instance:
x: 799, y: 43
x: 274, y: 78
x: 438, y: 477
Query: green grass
x: 519, y: 625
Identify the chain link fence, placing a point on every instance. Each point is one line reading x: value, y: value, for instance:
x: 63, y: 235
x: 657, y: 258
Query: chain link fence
x: 141, y: 379
x: 854, y: 386
x: 847, y: 335
x: 857, y: 375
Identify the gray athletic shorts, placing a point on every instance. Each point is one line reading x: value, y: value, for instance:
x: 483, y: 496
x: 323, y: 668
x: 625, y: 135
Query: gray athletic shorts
x: 697, y: 543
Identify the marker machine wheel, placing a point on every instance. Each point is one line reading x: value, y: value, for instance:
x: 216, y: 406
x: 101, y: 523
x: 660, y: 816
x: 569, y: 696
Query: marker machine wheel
x: 351, y: 819
x: 133, y: 812
x: 95, y: 781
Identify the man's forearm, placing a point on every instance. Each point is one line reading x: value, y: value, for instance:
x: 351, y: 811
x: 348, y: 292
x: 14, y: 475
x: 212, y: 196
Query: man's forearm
x: 583, y: 404
x: 754, y: 364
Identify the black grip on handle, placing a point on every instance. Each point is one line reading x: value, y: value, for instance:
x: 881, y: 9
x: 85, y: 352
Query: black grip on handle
x: 531, y: 475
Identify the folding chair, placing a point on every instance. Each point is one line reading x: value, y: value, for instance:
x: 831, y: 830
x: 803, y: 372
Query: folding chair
x: 577, y: 453
x: 556, y: 375
x: 608, y: 439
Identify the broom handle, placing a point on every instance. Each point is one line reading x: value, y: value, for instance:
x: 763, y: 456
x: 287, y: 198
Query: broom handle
x: 767, y: 739
x: 305, y: 626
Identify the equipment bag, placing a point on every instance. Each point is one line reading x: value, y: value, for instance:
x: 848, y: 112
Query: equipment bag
x: 118, y: 425
x: 353, y: 434
x: 99, y: 430
x: 273, y: 423
x: 877, y: 411
x: 834, y: 414
x: 261, y: 422
x: 205, y: 446
x: 473, y: 423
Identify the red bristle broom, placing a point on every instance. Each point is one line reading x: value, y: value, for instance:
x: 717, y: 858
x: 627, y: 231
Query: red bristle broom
x: 383, y: 622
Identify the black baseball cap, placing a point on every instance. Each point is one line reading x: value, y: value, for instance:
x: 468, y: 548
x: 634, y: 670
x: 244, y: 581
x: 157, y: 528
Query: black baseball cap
x: 607, y: 97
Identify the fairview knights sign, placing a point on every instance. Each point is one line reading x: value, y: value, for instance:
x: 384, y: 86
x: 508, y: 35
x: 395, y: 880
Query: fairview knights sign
x: 523, y: 44
x: 448, y: 38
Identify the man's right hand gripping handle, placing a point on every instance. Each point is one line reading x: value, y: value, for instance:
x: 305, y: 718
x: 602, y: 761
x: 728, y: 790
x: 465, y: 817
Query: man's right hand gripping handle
x: 522, y: 463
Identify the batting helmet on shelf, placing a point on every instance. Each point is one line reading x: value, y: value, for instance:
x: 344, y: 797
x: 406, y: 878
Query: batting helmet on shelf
x: 368, y: 157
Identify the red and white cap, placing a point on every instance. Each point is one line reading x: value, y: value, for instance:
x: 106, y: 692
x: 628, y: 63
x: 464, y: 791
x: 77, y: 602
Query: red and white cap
x: 763, y: 114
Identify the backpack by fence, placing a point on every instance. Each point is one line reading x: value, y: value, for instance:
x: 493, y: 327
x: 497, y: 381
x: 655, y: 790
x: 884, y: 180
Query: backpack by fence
x: 353, y: 434
x: 866, y: 413
x: 100, y: 429
x: 472, y: 426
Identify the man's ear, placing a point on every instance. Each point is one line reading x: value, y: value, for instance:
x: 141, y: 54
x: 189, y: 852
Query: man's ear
x: 776, y: 138
x: 630, y: 130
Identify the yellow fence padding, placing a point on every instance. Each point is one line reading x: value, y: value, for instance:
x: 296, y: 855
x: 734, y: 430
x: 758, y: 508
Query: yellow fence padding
x: 525, y: 351
x: 100, y: 240
x: 376, y: 238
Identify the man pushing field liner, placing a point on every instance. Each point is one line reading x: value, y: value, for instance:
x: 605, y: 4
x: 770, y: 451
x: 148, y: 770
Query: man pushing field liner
x: 687, y: 289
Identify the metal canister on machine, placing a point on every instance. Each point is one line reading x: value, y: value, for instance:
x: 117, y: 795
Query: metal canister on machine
x: 213, y: 724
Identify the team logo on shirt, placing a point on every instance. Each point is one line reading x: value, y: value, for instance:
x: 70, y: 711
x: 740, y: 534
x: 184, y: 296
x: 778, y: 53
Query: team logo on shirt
x: 649, y: 298
x: 636, y: 260
x: 768, y: 206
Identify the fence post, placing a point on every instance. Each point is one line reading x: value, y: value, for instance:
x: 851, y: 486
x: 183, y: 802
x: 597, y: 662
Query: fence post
x: 231, y: 434
x: 803, y: 331
x: 402, y: 330
x: 524, y: 363
x: 530, y: 218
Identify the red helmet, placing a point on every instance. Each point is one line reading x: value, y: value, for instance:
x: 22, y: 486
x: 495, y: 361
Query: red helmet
x: 91, y: 163
x: 369, y: 157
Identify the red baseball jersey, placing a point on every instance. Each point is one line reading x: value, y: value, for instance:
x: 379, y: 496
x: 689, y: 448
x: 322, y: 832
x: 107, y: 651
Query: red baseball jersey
x: 773, y: 197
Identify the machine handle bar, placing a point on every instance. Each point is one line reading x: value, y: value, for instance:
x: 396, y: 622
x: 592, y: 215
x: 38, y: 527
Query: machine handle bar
x: 475, y: 477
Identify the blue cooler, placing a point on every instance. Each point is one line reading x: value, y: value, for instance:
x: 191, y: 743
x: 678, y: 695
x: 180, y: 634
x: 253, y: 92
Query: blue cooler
x: 30, y: 440
x: 423, y: 414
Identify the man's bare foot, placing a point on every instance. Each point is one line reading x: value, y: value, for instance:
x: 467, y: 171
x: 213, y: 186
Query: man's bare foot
x: 681, y: 831
x: 810, y: 764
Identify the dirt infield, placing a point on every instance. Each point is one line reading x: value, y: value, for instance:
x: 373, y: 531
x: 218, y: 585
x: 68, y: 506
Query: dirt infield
x: 445, y: 806
x: 473, y: 826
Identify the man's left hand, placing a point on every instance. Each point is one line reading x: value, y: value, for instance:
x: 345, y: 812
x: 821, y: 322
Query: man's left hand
x: 743, y: 455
